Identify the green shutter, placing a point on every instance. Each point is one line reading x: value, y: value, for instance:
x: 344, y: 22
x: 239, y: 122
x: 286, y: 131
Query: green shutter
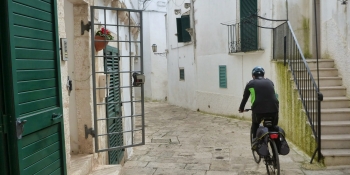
x: 222, y: 76
x: 183, y: 23
x: 249, y: 25
x: 182, y: 74
x: 33, y: 87
x: 113, y: 108
x: 179, y: 30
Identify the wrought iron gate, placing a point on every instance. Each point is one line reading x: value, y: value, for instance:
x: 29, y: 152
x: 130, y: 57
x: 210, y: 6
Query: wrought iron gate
x: 118, y: 99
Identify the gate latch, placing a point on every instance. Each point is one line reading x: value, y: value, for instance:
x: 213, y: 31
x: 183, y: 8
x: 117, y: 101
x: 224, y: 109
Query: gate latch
x: 89, y: 131
x: 20, y: 127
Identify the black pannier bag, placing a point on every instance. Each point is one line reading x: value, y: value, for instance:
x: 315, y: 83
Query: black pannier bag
x: 281, y: 142
x: 260, y: 143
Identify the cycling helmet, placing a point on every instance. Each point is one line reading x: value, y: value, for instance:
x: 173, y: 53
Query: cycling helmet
x: 258, y: 71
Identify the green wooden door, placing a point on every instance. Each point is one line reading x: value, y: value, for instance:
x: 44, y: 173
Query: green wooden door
x: 249, y: 25
x: 113, y: 108
x: 33, y: 87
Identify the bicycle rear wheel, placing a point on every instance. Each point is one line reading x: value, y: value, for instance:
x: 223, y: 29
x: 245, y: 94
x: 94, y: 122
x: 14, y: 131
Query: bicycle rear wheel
x: 272, y: 161
x: 256, y: 156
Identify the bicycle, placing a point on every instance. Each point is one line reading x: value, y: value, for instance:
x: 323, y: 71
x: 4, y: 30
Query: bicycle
x: 271, y: 161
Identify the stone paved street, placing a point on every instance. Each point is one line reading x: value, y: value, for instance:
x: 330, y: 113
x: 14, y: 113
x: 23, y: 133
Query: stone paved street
x: 180, y: 142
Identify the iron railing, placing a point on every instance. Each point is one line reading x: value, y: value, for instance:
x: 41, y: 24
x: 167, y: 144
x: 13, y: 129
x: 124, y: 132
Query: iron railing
x: 243, y: 41
x: 286, y: 47
x: 234, y: 39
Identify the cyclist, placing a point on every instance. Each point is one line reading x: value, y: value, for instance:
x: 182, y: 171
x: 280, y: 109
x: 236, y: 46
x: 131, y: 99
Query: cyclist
x: 263, y: 98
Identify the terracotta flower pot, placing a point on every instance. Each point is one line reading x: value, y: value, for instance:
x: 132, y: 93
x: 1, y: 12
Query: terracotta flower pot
x: 99, y: 45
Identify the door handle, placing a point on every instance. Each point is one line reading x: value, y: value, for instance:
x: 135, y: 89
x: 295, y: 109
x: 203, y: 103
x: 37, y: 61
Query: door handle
x: 56, y: 116
x: 20, y: 127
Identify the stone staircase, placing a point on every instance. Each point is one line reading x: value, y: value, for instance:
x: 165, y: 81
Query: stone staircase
x: 335, y: 114
x: 83, y: 164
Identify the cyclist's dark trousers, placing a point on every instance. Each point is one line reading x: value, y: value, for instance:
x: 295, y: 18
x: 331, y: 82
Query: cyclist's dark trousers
x: 256, y: 120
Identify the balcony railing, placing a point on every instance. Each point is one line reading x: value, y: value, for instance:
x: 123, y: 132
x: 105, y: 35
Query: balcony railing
x: 243, y: 35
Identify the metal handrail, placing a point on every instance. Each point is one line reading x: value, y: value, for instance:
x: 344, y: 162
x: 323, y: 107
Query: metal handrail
x: 286, y: 47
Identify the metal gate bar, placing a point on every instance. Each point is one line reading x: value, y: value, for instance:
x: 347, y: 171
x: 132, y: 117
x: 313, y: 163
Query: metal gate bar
x: 132, y: 114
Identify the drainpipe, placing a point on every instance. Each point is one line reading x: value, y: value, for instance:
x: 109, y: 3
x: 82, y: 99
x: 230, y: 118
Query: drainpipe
x: 287, y: 9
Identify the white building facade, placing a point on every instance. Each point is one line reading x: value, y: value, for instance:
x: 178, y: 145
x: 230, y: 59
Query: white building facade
x: 208, y: 50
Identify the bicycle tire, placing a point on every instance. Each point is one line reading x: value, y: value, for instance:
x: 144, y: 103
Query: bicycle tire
x: 257, y: 157
x: 272, y: 161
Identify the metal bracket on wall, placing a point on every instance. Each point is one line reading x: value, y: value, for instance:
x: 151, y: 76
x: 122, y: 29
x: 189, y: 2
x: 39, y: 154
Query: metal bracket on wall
x: 20, y: 127
x: 89, y: 131
x: 84, y: 27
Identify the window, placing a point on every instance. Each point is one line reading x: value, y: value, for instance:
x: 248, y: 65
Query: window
x: 182, y: 24
x: 222, y: 76
x: 182, y: 74
x: 249, y: 25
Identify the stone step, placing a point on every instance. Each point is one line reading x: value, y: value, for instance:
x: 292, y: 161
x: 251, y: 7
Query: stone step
x: 329, y: 91
x: 336, y: 157
x: 338, y: 141
x: 81, y: 164
x: 322, y: 63
x: 107, y: 170
x: 330, y: 102
x: 323, y: 72
x: 334, y: 114
x: 335, y: 127
x: 324, y: 81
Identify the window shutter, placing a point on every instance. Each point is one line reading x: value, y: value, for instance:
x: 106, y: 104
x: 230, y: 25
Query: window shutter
x: 182, y: 74
x: 185, y: 22
x: 182, y: 24
x: 249, y: 22
x: 179, y: 30
x: 222, y: 76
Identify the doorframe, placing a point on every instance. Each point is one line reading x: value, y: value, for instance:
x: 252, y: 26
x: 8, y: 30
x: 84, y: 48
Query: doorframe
x: 4, y: 165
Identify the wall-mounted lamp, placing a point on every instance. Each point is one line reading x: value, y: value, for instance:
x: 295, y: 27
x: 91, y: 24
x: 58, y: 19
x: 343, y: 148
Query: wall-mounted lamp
x: 187, y: 5
x: 177, y: 11
x: 154, y: 49
x: 343, y: 2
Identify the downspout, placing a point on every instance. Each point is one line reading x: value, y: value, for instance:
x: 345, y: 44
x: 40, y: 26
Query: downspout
x: 287, y: 9
x: 194, y: 50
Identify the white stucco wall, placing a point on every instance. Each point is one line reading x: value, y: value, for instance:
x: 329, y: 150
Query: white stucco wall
x: 301, y: 17
x: 155, y: 66
x: 335, y: 36
x: 181, y: 55
x: 64, y: 74
x: 69, y: 28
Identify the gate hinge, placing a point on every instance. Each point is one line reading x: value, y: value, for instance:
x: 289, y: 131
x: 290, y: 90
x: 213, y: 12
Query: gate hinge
x: 89, y: 131
x: 84, y: 27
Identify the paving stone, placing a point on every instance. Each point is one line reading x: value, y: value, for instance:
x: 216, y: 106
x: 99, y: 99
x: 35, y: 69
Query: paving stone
x: 166, y: 165
x: 197, y: 166
x: 221, y: 173
x: 138, y: 171
x: 162, y: 171
x: 183, y: 142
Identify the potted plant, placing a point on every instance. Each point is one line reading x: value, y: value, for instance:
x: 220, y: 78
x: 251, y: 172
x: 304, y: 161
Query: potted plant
x: 101, y: 38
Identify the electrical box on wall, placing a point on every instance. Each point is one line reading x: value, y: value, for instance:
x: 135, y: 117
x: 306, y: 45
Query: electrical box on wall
x: 139, y: 79
x: 64, y: 49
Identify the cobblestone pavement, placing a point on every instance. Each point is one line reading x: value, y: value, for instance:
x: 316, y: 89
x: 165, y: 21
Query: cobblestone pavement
x: 180, y: 142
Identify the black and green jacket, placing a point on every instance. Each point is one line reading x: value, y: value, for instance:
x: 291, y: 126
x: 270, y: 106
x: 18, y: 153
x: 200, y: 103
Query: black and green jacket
x: 263, y: 96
